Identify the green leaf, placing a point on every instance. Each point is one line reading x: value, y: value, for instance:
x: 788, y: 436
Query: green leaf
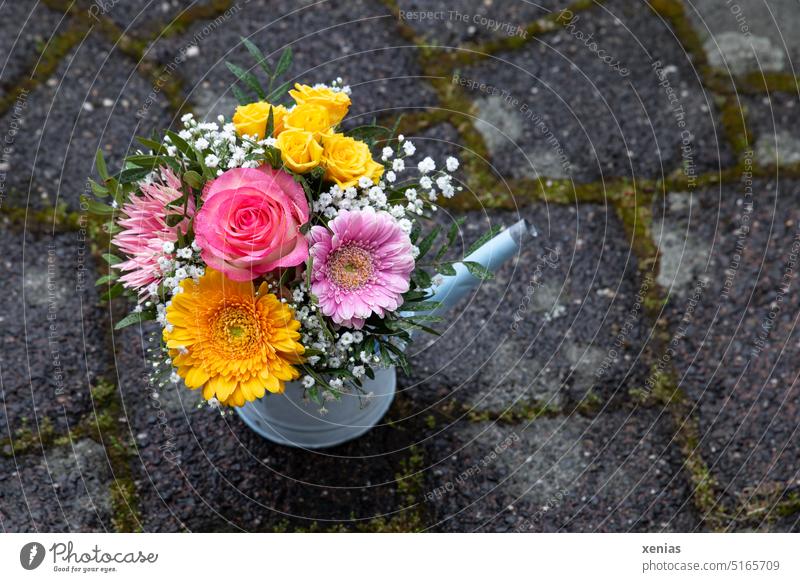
x: 280, y: 91
x: 106, y: 279
x: 257, y: 55
x: 240, y: 95
x: 479, y: 271
x: 151, y: 144
x: 96, y: 207
x: 447, y: 269
x: 421, y: 306
x: 314, y: 395
x: 284, y: 62
x: 422, y: 278
x: 247, y: 78
x: 368, y: 132
x: 416, y: 229
x: 488, y: 235
x: 180, y: 143
x: 194, y: 179
x: 411, y: 296
x: 401, y: 359
x: 409, y: 324
x: 424, y: 318
x: 131, y: 175
x: 112, y: 292
x: 309, y: 264
x: 144, y: 160
x: 270, y: 129
x: 395, y: 127
x: 427, y: 242
x: 451, y: 237
x: 99, y: 190
x: 112, y: 259
x: 100, y: 164
x: 134, y: 318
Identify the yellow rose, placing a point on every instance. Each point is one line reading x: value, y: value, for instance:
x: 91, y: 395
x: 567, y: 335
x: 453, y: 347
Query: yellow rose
x: 251, y: 119
x: 346, y: 160
x: 299, y: 150
x: 309, y: 117
x: 336, y: 102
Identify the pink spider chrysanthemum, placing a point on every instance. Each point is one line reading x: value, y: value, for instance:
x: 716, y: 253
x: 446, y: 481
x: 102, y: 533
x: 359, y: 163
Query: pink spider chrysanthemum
x: 362, y: 264
x: 145, y: 229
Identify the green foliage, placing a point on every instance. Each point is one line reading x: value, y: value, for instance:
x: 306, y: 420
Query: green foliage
x: 251, y: 81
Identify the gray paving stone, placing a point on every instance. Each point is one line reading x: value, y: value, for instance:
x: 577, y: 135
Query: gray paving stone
x: 747, y: 35
x: 25, y: 29
x: 93, y: 101
x: 735, y: 337
x: 199, y: 471
x: 683, y: 258
x: 143, y: 17
x: 554, y: 108
x: 771, y: 120
x: 52, y: 330
x: 66, y: 490
x: 357, y: 41
x: 453, y: 23
x: 616, y: 472
x: 555, y: 324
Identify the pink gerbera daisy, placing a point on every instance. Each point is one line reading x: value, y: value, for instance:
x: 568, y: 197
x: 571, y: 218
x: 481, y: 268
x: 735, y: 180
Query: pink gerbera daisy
x: 362, y: 264
x: 146, y: 230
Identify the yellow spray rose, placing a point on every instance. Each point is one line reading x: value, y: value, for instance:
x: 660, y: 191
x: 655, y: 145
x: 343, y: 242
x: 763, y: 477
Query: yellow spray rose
x: 251, y: 119
x: 336, y: 102
x: 309, y: 117
x: 346, y: 160
x: 299, y: 150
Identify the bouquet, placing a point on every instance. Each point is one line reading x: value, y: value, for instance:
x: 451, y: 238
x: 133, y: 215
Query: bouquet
x: 277, y: 247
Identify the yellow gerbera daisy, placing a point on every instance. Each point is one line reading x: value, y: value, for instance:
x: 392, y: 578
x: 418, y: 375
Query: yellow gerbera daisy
x: 231, y: 341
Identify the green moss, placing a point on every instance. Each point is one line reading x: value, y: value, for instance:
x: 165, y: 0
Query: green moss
x: 766, y: 82
x: 590, y: 404
x: 734, y: 121
x: 410, y: 490
x: 43, y: 66
x: 526, y: 412
x: 27, y: 439
x: 788, y: 506
x: 705, y: 488
x: 56, y: 219
x: 182, y: 22
x: 104, y: 428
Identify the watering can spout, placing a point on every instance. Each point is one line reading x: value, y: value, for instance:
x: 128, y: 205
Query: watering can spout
x: 450, y: 289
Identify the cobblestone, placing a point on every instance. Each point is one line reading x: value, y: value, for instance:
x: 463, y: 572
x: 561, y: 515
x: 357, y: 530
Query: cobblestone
x: 544, y: 330
x: 53, y: 343
x: 616, y: 472
x: 555, y: 109
x: 770, y: 118
x: 746, y: 36
x: 91, y: 103
x: 356, y: 41
x: 65, y: 490
x: 737, y: 332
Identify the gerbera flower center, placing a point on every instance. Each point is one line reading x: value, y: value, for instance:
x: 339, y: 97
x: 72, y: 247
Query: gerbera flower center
x: 236, y: 328
x: 350, y: 267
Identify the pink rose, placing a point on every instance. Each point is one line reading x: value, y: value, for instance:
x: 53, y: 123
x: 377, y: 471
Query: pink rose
x: 250, y: 221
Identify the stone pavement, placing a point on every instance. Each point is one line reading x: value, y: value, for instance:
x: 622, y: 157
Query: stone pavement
x: 634, y: 369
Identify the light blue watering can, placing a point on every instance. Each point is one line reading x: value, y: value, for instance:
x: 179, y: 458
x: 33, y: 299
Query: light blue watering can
x: 287, y: 419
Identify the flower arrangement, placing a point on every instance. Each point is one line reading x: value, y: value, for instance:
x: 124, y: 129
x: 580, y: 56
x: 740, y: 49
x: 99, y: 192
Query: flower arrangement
x: 277, y: 247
